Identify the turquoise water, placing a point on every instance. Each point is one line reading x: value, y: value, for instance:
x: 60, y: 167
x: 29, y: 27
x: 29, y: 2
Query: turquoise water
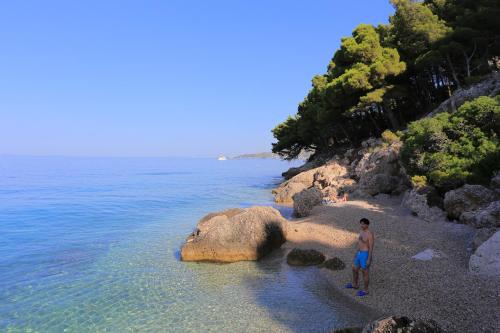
x: 91, y: 245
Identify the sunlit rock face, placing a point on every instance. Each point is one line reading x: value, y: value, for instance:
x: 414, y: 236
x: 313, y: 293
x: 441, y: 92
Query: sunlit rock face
x: 329, y: 177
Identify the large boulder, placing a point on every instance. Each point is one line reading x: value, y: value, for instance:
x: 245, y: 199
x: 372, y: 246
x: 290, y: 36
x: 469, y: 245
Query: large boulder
x: 379, y: 171
x: 379, y: 183
x: 486, y: 260
x: 419, y: 200
x: 300, y: 257
x: 329, y: 175
x: 235, y: 235
x: 285, y: 192
x: 303, y: 202
x: 466, y: 199
x: 395, y: 324
x: 481, y: 236
x: 486, y: 217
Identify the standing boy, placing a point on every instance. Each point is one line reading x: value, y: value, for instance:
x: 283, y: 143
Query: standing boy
x: 363, y: 257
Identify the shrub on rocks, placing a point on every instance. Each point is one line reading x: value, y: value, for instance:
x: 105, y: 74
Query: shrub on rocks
x: 390, y: 137
x: 418, y: 181
x: 305, y: 201
x: 451, y: 149
x: 300, y: 257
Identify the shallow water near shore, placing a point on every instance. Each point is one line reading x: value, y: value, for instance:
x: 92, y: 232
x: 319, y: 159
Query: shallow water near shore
x: 91, y: 244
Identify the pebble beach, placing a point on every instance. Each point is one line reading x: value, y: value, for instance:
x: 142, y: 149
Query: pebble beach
x: 439, y: 288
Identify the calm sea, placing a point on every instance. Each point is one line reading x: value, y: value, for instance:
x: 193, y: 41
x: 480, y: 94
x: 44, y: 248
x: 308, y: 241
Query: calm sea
x: 91, y: 245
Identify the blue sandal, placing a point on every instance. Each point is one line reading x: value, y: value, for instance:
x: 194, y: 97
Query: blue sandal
x: 361, y: 293
x: 350, y: 286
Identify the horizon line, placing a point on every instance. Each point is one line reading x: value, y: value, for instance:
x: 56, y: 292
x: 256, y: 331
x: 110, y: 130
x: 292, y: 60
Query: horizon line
x: 121, y: 156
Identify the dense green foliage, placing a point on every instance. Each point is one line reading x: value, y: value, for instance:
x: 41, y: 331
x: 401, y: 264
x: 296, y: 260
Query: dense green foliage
x: 449, y: 149
x: 387, y: 76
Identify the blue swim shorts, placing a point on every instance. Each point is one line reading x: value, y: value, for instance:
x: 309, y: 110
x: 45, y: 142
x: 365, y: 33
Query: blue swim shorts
x: 361, y: 259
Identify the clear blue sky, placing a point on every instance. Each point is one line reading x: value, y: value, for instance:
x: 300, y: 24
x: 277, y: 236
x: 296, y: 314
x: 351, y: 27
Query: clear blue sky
x: 162, y: 78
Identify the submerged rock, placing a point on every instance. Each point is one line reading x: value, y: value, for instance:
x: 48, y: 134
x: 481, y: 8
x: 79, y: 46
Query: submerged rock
x: 486, y: 260
x: 235, y: 235
x: 349, y: 330
x: 395, y: 324
x: 304, y: 201
x: 467, y: 198
x: 300, y: 257
x: 334, y: 264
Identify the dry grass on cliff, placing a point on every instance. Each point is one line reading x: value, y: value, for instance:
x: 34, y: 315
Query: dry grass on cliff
x: 440, y: 289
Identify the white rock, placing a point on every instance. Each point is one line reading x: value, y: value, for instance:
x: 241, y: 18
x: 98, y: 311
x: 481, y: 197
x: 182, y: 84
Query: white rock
x: 486, y: 260
x: 426, y: 255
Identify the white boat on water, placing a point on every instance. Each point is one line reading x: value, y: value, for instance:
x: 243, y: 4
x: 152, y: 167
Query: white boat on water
x: 222, y: 158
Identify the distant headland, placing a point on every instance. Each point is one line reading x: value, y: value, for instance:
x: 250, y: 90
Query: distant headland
x: 304, y: 155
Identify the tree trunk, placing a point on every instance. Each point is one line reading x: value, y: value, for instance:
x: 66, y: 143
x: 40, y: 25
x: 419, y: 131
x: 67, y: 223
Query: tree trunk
x: 390, y: 115
x: 468, y: 59
x: 377, y: 127
x: 345, y: 133
x: 453, y: 72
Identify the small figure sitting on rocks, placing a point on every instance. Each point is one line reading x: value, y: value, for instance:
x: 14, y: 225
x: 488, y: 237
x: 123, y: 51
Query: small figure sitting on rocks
x: 332, y: 198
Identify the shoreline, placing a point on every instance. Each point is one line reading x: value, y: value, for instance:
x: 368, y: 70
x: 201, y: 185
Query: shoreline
x: 440, y: 289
